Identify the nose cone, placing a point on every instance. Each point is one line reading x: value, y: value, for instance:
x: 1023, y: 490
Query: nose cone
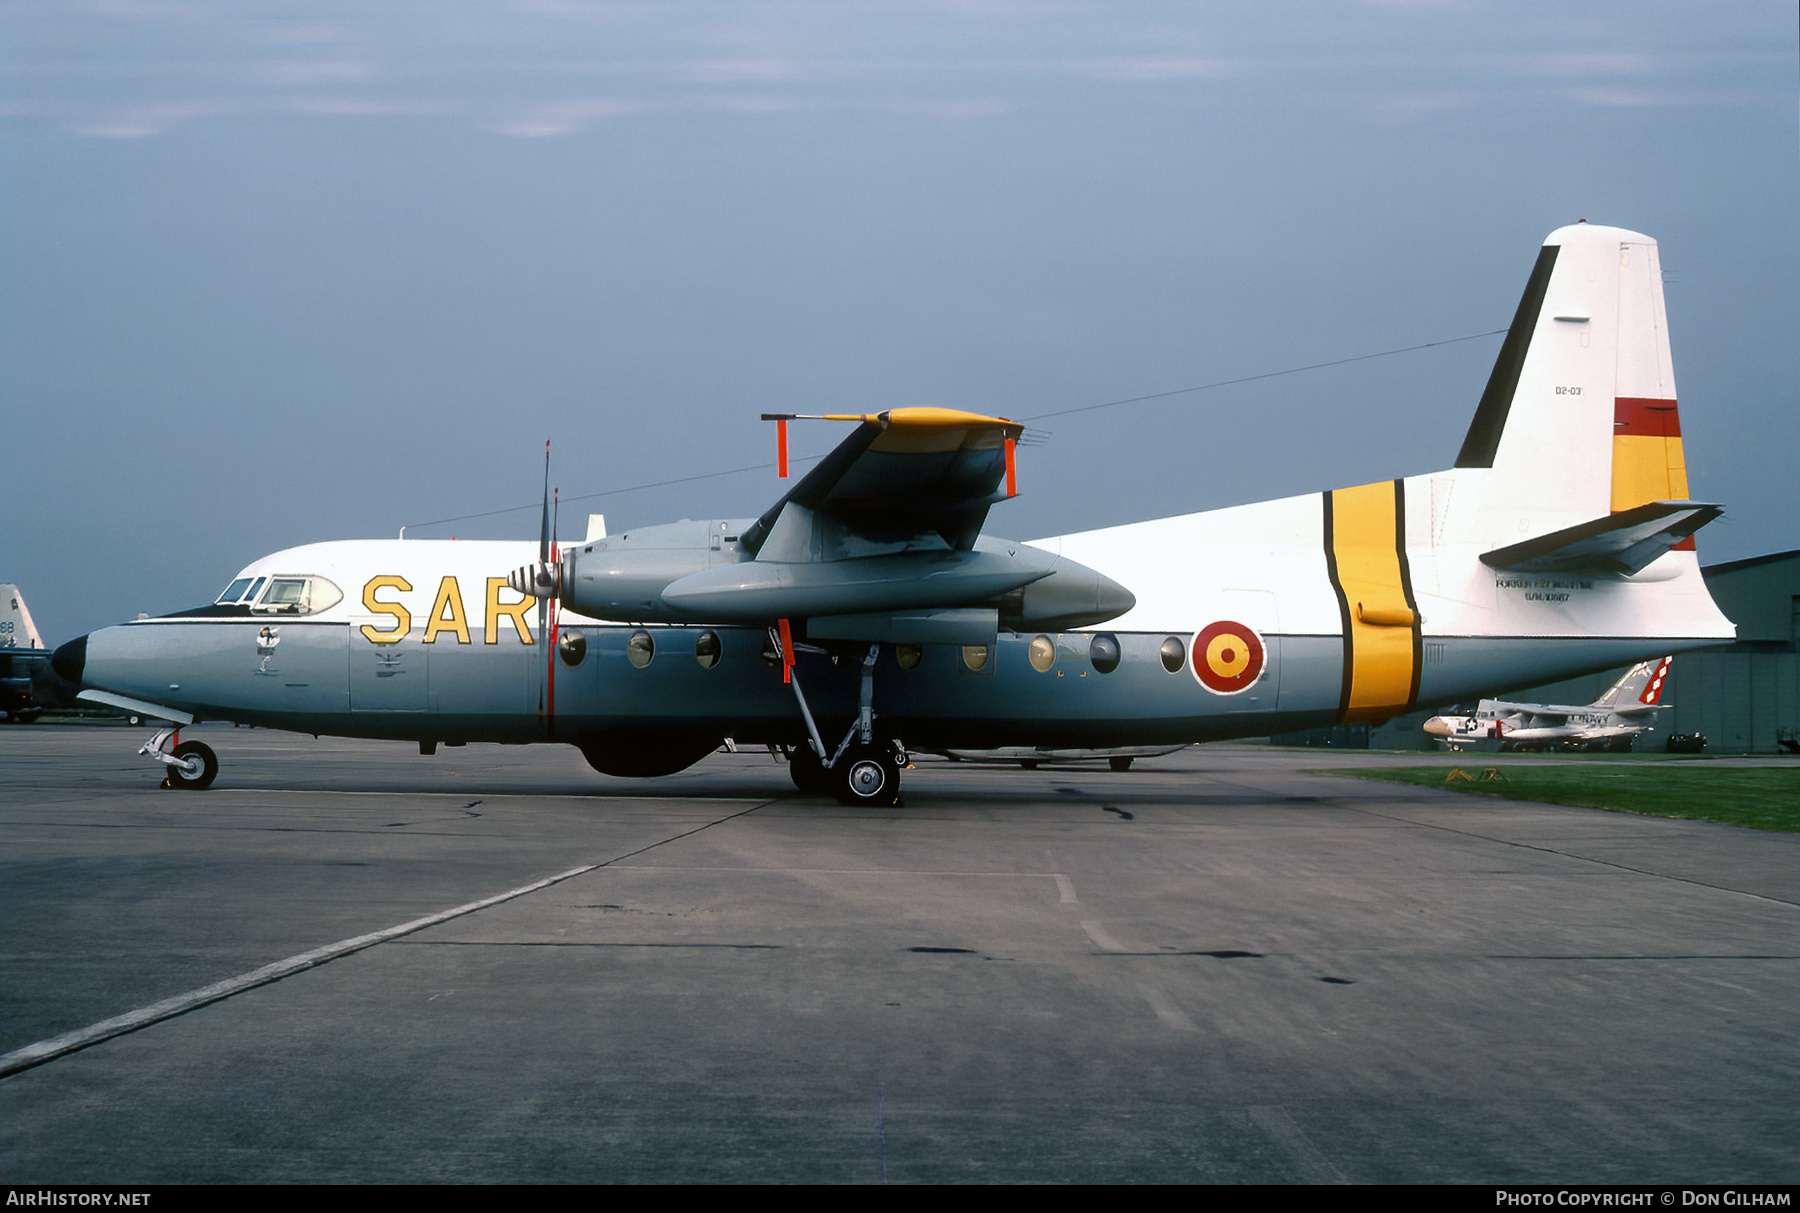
x: 70, y: 660
x: 1437, y: 726
x: 1111, y: 598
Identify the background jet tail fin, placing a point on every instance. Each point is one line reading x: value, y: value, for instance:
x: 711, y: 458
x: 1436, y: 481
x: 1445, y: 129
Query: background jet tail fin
x: 17, y: 631
x: 1641, y: 686
x: 1579, y: 417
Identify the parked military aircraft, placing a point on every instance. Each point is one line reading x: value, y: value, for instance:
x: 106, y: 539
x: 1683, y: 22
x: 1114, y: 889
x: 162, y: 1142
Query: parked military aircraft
x: 1560, y: 543
x: 1610, y: 722
x: 22, y: 654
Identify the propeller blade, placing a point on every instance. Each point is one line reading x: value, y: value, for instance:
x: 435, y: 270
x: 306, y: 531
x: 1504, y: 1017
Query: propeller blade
x: 544, y: 529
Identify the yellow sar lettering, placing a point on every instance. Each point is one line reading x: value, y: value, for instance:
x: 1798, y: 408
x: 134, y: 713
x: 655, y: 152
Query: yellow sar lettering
x: 447, y: 612
x: 402, y: 616
x: 514, y: 611
x: 449, y: 598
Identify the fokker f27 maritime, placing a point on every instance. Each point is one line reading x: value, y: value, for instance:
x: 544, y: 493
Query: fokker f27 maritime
x: 1610, y: 722
x: 865, y: 612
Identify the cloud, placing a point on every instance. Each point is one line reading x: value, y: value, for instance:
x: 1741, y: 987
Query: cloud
x: 1616, y: 97
x: 736, y: 71
x: 564, y: 117
x: 1145, y: 67
x: 299, y: 72
x: 149, y: 118
x: 1612, y: 63
x: 956, y: 107
x: 1406, y: 108
x: 337, y: 105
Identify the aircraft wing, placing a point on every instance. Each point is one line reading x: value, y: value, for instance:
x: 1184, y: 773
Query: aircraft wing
x: 906, y: 478
x: 880, y: 542
x: 1540, y: 715
x: 1604, y: 731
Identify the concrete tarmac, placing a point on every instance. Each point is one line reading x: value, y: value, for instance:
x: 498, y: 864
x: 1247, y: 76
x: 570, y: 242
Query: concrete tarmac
x: 1213, y: 968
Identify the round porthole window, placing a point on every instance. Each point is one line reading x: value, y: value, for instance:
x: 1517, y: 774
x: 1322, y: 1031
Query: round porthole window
x: 707, y: 649
x: 571, y: 646
x: 1174, y: 654
x: 1041, y: 653
x: 909, y: 655
x: 640, y: 649
x: 1103, y: 652
x: 975, y: 656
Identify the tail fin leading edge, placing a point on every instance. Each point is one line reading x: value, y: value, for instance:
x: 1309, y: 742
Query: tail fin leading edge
x: 17, y: 631
x: 1641, y: 686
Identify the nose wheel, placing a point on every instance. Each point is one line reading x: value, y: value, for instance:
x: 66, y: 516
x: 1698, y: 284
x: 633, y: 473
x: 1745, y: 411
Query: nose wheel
x: 195, y: 766
x: 189, y: 766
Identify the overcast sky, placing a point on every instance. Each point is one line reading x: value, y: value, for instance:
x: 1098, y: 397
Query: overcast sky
x: 277, y: 273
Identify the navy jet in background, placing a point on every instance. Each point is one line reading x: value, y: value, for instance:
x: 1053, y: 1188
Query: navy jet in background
x: 1609, y: 723
x: 867, y: 612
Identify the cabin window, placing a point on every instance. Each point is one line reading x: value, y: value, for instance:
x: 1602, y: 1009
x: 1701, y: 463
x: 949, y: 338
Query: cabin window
x: 1041, y: 653
x: 640, y: 649
x: 571, y: 643
x: 975, y: 657
x: 707, y: 649
x: 1103, y: 653
x: 1174, y: 654
x: 297, y: 596
x: 909, y: 655
x: 285, y: 594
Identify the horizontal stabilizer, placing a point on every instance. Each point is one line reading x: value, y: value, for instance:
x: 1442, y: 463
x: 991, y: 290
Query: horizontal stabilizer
x: 1623, y: 543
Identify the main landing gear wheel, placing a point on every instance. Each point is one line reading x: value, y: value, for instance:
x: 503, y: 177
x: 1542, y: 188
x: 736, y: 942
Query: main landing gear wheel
x: 868, y: 775
x: 197, y: 768
x: 807, y: 772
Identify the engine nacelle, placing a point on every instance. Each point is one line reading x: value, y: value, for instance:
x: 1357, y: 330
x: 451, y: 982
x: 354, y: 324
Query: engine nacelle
x: 699, y: 572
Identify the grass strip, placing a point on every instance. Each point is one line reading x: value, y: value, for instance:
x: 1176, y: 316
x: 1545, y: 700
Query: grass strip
x: 1762, y: 798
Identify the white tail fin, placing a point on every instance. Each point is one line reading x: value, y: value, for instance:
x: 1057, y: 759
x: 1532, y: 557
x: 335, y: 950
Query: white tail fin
x: 1579, y: 418
x: 1642, y: 684
x: 16, y: 629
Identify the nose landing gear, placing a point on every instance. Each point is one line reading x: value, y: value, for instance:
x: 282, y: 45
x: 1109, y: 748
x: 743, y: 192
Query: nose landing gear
x: 189, y: 766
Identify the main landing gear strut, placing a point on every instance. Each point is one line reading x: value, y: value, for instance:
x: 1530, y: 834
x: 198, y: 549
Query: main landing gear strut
x: 864, y: 769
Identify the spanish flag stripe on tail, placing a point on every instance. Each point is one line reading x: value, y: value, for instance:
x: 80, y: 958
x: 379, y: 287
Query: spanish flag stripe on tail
x: 1647, y: 464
